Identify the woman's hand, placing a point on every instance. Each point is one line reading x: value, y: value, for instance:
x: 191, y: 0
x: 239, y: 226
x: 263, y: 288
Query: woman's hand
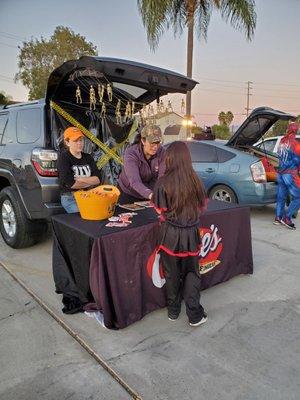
x: 83, y: 182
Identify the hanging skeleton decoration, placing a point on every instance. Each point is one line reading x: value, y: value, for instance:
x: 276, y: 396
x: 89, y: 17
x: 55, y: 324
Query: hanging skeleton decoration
x: 103, y: 111
x: 118, y: 106
x: 128, y: 111
x: 182, y: 109
x: 144, y: 111
x: 100, y: 92
x: 109, y: 92
x: 132, y: 107
x: 157, y: 107
x: 142, y: 115
x: 118, y: 112
x: 92, y: 98
x: 169, y: 107
x: 151, y: 109
x: 118, y: 117
x: 161, y: 106
x: 78, y: 95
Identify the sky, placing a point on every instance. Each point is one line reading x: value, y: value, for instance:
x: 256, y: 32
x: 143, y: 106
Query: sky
x: 222, y: 65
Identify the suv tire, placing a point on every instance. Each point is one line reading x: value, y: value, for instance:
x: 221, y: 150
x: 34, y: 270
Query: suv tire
x: 223, y: 193
x: 18, y: 231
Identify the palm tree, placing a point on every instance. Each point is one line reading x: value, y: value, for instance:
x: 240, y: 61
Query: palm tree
x: 159, y: 15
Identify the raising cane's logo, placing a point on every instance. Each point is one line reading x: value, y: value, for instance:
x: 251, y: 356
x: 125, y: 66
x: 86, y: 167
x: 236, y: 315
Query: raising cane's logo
x: 211, y: 248
x: 209, y: 255
x: 155, y: 271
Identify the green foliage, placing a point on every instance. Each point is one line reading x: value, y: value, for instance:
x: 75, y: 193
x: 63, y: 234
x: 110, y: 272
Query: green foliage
x: 225, y: 118
x: 279, y: 128
x: 158, y: 16
x: 221, y: 131
x: 195, y: 130
x: 38, y: 58
x: 5, y: 98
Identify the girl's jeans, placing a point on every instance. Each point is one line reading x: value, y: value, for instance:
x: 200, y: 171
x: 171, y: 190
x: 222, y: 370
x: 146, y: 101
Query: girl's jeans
x: 69, y: 203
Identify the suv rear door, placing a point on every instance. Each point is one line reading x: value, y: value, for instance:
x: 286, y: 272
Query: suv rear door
x: 140, y: 82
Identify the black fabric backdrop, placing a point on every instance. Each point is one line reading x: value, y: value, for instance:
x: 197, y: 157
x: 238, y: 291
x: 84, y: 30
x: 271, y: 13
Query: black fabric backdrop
x: 108, y: 268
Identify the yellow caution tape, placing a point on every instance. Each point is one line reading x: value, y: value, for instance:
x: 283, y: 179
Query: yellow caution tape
x: 106, y: 157
x: 109, y: 152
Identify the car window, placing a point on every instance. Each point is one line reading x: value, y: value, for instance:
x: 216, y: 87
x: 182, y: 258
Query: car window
x: 202, y: 152
x: 28, y: 125
x: 255, y: 126
x: 224, y: 155
x: 3, y: 121
x: 267, y: 145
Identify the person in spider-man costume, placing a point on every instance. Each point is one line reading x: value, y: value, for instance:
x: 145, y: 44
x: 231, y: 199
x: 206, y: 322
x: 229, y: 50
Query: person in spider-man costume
x: 288, y: 177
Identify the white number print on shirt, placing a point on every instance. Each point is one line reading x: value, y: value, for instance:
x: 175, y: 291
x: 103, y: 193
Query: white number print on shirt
x: 81, y: 170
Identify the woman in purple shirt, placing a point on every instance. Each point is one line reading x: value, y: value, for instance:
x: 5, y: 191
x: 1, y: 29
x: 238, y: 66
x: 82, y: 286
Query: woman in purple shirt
x: 143, y: 165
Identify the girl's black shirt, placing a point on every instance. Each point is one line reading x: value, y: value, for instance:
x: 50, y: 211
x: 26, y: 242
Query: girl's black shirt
x: 70, y: 167
x: 177, y: 237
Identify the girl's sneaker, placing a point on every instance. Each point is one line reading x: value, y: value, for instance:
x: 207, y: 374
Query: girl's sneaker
x: 277, y: 221
x: 173, y: 315
x: 288, y: 223
x: 202, y: 321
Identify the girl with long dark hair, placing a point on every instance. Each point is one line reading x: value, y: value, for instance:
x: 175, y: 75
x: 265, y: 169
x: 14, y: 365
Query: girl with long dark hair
x: 179, y: 198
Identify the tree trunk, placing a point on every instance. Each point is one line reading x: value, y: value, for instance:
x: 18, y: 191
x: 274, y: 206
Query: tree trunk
x: 190, y: 47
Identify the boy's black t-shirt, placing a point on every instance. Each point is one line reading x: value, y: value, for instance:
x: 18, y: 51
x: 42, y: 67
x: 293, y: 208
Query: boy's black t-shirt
x: 69, y: 167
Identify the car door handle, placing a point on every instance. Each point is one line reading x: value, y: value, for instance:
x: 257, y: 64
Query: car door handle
x: 210, y: 170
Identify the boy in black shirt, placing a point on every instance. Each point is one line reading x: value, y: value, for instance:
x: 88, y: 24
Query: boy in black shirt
x: 76, y: 170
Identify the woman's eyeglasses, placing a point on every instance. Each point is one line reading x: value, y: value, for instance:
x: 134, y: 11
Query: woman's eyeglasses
x: 153, y: 144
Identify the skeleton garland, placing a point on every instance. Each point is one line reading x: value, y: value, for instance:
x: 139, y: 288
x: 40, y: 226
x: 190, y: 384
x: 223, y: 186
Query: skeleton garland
x: 78, y: 95
x: 92, y: 98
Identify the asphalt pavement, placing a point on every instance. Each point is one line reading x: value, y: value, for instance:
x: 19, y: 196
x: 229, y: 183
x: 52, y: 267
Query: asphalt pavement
x: 247, y: 350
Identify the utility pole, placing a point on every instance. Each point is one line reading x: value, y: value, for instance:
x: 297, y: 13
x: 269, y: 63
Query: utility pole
x: 249, y: 87
x: 189, y: 72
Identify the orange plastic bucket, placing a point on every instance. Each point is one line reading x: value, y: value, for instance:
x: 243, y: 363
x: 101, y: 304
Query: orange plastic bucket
x: 98, y: 203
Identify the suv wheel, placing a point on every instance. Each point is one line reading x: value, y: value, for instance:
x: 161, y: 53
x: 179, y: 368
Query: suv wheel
x: 223, y: 193
x: 16, y: 230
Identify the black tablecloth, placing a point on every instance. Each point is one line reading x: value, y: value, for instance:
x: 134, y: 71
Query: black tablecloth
x: 116, y: 270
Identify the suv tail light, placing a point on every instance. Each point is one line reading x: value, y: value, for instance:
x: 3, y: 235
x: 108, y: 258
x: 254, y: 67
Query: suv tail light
x: 44, y: 162
x: 258, y: 172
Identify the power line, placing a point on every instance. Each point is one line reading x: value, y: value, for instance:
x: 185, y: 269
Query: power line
x: 6, y: 77
x: 294, y: 84
x: 221, y: 91
x: 221, y: 84
x: 277, y: 97
x: 11, y: 36
x: 219, y: 80
x: 259, y: 90
x: 9, y: 45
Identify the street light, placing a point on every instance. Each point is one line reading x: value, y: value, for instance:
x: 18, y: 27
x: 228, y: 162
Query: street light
x: 187, y: 123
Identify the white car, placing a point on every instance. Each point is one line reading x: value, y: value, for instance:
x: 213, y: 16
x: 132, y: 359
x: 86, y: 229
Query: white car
x: 271, y: 144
